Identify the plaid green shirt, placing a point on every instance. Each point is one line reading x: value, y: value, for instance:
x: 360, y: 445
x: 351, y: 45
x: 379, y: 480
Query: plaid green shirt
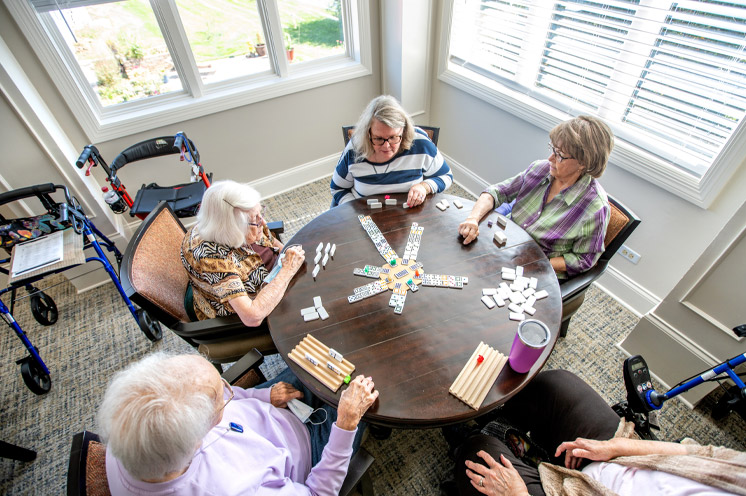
x: 573, y: 225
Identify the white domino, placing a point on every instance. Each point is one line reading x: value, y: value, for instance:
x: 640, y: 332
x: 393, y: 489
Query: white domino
x: 529, y: 309
x: 322, y: 313
x: 508, y: 276
x: 530, y: 301
x: 390, y: 201
x: 441, y: 206
x: 306, y: 311
x: 519, y: 271
x: 328, y: 247
x: 310, y: 316
x: 334, y: 249
x: 315, y: 271
x: 488, y: 301
x: 325, y: 260
x: 502, y: 220
x: 335, y: 354
x: 515, y: 307
x: 372, y: 201
x: 540, y: 294
x: 317, y: 301
x: 458, y: 204
x: 516, y: 316
x: 317, y: 257
x: 320, y: 247
x: 500, y: 237
x: 405, y: 205
x: 533, y: 282
x: 376, y: 205
x: 500, y: 302
x: 489, y: 291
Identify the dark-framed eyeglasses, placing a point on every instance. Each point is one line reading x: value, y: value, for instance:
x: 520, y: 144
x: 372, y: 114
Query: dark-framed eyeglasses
x: 393, y: 140
x: 557, y: 154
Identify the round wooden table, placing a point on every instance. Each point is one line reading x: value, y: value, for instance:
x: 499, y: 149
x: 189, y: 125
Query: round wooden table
x: 414, y: 357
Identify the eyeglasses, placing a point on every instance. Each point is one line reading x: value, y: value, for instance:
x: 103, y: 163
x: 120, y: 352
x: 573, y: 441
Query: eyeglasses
x: 557, y: 154
x: 227, y: 387
x: 394, y: 140
x: 259, y: 217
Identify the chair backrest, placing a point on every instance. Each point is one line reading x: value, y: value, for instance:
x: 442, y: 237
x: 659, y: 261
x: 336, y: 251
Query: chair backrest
x: 152, y: 274
x: 432, y: 132
x: 621, y: 224
x: 86, y: 474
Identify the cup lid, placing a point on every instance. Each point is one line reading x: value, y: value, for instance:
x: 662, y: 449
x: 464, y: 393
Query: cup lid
x: 534, y: 333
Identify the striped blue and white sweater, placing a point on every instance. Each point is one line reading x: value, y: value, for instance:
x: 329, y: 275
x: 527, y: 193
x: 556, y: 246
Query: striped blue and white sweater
x: 422, y: 162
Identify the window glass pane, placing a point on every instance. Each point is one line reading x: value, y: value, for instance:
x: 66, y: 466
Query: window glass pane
x: 312, y: 28
x: 669, y: 77
x: 120, y: 49
x: 226, y: 38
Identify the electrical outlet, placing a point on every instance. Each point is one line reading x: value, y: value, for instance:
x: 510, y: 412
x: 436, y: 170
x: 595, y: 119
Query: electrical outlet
x: 629, y: 254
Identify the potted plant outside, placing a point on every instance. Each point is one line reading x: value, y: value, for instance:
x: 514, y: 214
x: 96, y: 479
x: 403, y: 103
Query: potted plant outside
x: 261, y: 48
x: 289, y: 48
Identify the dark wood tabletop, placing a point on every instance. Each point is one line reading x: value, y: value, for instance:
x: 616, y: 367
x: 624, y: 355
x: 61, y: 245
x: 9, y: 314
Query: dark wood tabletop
x: 414, y: 357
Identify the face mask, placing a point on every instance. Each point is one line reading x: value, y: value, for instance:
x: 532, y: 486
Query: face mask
x: 304, y: 412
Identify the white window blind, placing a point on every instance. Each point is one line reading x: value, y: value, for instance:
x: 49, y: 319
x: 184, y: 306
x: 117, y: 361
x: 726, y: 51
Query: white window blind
x: 668, y: 77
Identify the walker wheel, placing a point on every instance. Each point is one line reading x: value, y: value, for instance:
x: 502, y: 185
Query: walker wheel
x: 151, y: 328
x: 34, y: 376
x: 43, y: 308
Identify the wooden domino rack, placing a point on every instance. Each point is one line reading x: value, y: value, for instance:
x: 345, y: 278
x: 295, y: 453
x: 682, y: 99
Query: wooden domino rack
x: 476, y: 379
x: 320, y: 353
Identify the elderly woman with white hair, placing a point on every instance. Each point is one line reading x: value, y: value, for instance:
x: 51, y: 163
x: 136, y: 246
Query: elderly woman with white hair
x: 228, y: 255
x: 388, y: 154
x: 172, y: 425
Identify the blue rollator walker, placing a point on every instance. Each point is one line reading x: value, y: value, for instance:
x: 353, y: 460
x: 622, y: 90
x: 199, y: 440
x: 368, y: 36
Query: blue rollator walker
x: 60, y: 216
x: 643, y: 401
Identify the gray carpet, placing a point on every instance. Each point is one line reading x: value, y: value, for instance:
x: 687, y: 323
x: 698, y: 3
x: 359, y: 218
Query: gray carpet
x: 96, y: 335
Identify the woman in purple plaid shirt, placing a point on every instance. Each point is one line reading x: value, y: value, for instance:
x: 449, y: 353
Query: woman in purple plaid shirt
x: 558, y: 201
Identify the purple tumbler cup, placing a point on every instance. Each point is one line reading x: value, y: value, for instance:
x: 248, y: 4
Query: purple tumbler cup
x: 530, y: 340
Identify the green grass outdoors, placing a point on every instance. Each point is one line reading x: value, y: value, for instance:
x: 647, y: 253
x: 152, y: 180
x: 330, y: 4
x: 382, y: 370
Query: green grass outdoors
x: 122, y: 50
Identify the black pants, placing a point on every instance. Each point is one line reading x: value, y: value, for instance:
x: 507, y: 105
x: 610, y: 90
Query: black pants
x: 556, y: 406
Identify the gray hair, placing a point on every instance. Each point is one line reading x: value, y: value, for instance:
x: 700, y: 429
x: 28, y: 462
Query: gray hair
x: 221, y: 216
x: 154, y: 415
x: 387, y: 110
x: 588, y: 140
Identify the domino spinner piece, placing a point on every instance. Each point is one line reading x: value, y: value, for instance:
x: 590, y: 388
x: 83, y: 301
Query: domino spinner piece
x: 317, y: 301
x: 500, y: 237
x: 488, y: 301
x: 458, y: 204
x: 322, y: 313
x: 390, y: 201
x: 502, y: 221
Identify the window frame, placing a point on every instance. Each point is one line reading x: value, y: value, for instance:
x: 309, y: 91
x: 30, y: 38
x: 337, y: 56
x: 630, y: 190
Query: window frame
x: 699, y: 191
x: 195, y: 100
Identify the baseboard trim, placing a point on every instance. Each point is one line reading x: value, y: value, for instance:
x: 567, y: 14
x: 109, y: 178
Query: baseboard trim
x: 282, y: 182
x: 465, y: 178
x: 627, y: 292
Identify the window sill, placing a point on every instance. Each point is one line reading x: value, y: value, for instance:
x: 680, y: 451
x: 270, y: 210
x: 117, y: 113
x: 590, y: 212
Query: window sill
x: 698, y: 191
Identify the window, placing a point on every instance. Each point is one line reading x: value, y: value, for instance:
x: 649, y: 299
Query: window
x: 126, y: 65
x: 668, y: 77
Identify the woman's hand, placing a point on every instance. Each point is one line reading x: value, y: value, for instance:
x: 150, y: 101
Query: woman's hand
x: 469, y: 229
x: 576, y: 451
x: 294, y: 258
x: 496, y: 478
x: 354, y: 402
x: 417, y: 194
x: 282, y: 392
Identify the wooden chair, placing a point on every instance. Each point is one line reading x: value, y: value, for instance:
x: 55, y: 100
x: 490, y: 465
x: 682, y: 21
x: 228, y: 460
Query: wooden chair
x: 621, y: 224
x: 86, y: 474
x: 153, y: 277
x: 432, y: 133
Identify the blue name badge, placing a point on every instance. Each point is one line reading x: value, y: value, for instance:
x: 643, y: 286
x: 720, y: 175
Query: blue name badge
x: 236, y: 427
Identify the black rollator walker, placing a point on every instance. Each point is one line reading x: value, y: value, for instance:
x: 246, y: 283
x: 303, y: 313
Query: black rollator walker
x: 64, y: 216
x: 184, y: 199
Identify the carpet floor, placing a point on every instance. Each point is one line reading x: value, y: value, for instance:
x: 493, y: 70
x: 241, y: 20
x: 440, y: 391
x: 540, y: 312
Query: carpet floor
x: 96, y: 336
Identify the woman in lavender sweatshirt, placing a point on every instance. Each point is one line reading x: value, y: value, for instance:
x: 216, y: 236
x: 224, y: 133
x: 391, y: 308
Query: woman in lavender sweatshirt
x: 172, y: 425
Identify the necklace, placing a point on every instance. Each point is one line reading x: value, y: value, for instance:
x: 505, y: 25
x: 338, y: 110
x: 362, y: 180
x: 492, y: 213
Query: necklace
x: 376, y: 172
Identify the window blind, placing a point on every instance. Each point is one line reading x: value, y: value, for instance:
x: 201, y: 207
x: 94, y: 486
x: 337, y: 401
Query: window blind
x: 666, y: 76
